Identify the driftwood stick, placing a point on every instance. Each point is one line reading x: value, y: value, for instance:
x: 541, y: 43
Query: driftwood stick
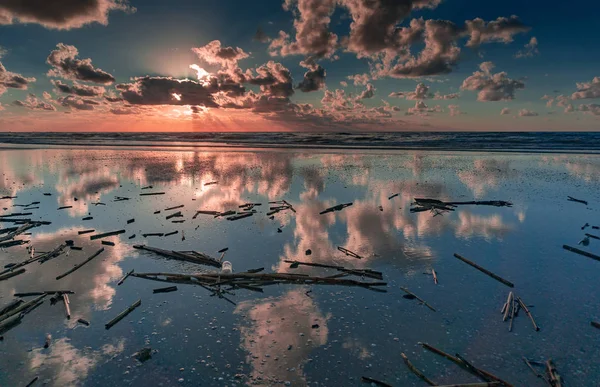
x: 416, y: 371
x: 512, y: 314
x: 486, y: 384
x: 66, y: 301
x: 22, y: 307
x: 435, y: 280
x: 508, y: 305
x: 121, y: 315
x: 572, y: 199
x: 125, y: 277
x: 417, y: 297
x: 555, y: 378
x: 152, y: 193
x: 81, y: 264
x: 376, y: 382
x: 106, y: 234
x: 348, y: 252
x: 581, y: 252
x: 165, y: 290
x: 12, y: 274
x: 595, y: 324
x: 462, y: 364
x: 476, y: 266
x: 11, y: 305
x: 528, y: 313
x: 29, y: 294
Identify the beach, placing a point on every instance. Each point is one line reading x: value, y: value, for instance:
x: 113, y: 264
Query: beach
x: 301, y: 334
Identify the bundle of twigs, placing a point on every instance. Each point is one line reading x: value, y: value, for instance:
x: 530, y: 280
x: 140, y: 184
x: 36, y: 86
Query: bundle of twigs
x: 438, y: 207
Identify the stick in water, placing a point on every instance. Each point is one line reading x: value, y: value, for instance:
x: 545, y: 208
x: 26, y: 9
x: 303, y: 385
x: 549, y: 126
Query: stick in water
x: 121, y: 315
x: 416, y: 371
x: 481, y: 269
x: 81, y: 264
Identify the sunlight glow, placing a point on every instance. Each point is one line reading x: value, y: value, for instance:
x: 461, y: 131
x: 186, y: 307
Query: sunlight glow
x: 201, y: 73
x: 177, y: 96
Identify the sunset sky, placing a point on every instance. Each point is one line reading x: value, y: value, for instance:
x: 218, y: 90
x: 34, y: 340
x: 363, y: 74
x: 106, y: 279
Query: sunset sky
x: 298, y: 65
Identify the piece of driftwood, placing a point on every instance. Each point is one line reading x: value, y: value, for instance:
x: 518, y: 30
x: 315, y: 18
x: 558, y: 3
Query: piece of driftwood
x: 485, y: 384
x: 106, y: 234
x: 193, y: 256
x: 595, y: 324
x: 205, y: 212
x: 84, y: 322
x: 513, y: 308
x: 88, y: 218
x: 528, y: 313
x: 174, y: 208
x: 481, y: 269
x: 10, y: 322
x: 240, y: 216
x: 226, y: 213
x: 572, y: 199
x: 416, y: 371
x: 171, y: 233
x: 349, y: 253
x: 121, y: 315
x: 120, y: 198
x: 165, y: 290
x: 417, y: 297
x: 81, y: 264
x: 15, y: 214
x: 108, y: 243
x: 581, y: 252
x: 174, y: 215
x: 156, y: 234
x: 555, y: 378
x: 12, y: 274
x: 211, y: 183
x: 125, y: 277
x: 147, y: 187
x: 14, y: 232
x: 435, y: 280
x: 64, y: 207
x: 339, y: 207
x: 11, y: 305
x: 16, y: 242
x: 152, y: 193
x: 359, y: 272
x: 376, y: 382
x: 507, y: 306
x: 22, y: 307
x: 535, y: 372
x: 31, y: 294
x: 393, y: 196
x: 129, y: 221
x: 85, y: 232
x: 460, y: 363
x: 67, y: 303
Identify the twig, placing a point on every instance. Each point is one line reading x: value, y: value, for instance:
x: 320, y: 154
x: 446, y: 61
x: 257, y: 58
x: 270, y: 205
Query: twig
x: 81, y: 264
x: 417, y: 297
x: 366, y: 379
x: 125, y: 277
x: 416, y: 371
x: 435, y: 280
x: 106, y: 234
x: 528, y: 313
x: 572, y: 199
x: 584, y: 253
x: 121, y: 315
x: 476, y: 266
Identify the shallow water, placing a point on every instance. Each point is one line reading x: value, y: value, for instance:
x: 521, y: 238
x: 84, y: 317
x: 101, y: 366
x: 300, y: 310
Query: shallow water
x: 268, y: 338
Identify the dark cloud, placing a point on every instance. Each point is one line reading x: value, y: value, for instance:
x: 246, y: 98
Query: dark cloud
x: 33, y: 103
x: 65, y: 65
x: 260, y: 36
x: 500, y: 30
x: 60, y: 14
x: 374, y: 22
x: 167, y: 91
x: 79, y: 89
x: 12, y: 80
x: 592, y: 108
x: 492, y: 87
x: 274, y: 79
x: 76, y: 103
x: 314, y: 78
x: 587, y: 89
x: 313, y: 37
x: 368, y: 92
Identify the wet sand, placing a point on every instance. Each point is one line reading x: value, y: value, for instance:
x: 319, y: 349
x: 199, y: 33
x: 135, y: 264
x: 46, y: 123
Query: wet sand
x: 268, y: 338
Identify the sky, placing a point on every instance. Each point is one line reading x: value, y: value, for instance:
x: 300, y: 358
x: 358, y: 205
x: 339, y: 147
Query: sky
x: 299, y: 65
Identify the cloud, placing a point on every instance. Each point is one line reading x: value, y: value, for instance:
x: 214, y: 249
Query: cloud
x: 500, y: 30
x: 214, y: 53
x: 76, y: 103
x: 593, y: 109
x: 313, y: 37
x: 260, y: 36
x: 65, y: 65
x: 344, y: 84
x: 527, y: 113
x: 587, y: 89
x: 438, y: 95
x: 33, y: 103
x: 531, y: 49
x: 421, y: 92
x: 374, y: 22
x: 422, y: 109
x: 12, y: 80
x: 274, y: 79
x: 492, y: 87
x: 367, y: 93
x: 314, y: 78
x: 60, y: 14
x: 454, y: 110
x: 79, y: 89
x: 505, y: 111
x: 359, y: 79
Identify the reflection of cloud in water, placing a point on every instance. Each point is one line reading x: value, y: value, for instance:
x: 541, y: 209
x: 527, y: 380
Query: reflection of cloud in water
x: 486, y: 175
x: 90, y: 283
x: 87, y: 188
x: 19, y: 171
x: 66, y: 365
x: 275, y: 324
x: 486, y: 226
x: 583, y: 167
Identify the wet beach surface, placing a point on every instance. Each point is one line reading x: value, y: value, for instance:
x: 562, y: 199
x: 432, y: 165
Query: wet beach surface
x: 299, y: 334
